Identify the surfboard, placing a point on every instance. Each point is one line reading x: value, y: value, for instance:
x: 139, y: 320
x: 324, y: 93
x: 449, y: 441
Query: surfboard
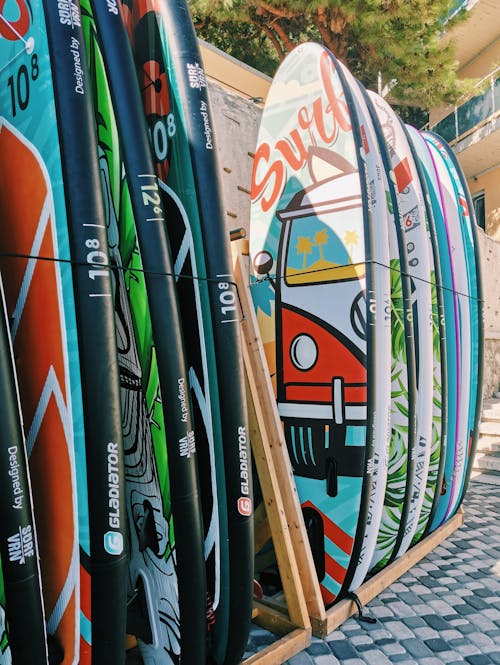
x: 467, y: 226
x: 469, y: 230
x: 458, y: 261
x: 379, y: 217
x: 412, y: 211
x: 172, y: 634
x: 441, y: 400
x: 96, y: 334
x: 5, y: 652
x: 21, y: 587
x: 36, y: 291
x: 145, y: 452
x: 195, y: 181
x: 450, y: 301
x: 172, y: 159
x: 401, y: 463
x: 314, y: 294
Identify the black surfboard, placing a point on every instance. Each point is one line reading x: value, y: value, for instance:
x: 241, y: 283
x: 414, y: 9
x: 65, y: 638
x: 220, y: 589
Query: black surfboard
x: 165, y: 318
x: 18, y: 546
x: 96, y: 333
x: 186, y: 71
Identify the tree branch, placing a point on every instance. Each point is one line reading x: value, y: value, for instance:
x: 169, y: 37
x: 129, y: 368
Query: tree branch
x: 286, y: 41
x: 272, y: 37
x: 332, y: 40
x: 280, y: 12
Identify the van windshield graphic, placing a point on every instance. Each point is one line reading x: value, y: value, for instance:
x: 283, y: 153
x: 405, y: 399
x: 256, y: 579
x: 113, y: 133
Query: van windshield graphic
x: 317, y: 254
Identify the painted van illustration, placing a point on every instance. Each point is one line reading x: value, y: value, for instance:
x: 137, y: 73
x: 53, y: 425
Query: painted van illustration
x: 320, y: 319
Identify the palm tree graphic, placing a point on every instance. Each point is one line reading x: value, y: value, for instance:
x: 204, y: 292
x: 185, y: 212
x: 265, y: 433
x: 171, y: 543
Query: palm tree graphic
x: 351, y: 239
x: 304, y: 246
x: 320, y: 239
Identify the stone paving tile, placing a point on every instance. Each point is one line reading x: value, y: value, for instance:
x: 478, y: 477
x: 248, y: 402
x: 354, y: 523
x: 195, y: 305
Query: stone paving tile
x: 445, y: 610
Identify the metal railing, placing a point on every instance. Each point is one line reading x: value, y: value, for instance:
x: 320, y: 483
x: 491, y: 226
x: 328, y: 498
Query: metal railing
x: 473, y: 111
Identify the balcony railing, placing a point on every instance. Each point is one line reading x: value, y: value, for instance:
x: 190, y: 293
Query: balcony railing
x: 473, y: 112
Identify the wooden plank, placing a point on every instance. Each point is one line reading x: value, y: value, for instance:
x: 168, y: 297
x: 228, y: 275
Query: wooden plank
x: 273, y: 464
x: 374, y: 586
x: 282, y: 650
x: 274, y: 618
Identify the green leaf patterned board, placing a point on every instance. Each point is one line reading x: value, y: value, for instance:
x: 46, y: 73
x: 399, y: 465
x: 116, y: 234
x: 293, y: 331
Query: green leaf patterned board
x: 401, y: 466
x: 381, y: 219
x: 152, y: 564
x: 412, y: 215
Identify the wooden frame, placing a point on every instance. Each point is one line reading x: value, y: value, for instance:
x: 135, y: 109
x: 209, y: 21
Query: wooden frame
x: 300, y: 607
x: 280, y: 515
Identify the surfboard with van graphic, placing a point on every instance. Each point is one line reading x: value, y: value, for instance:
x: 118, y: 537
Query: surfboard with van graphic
x: 314, y: 293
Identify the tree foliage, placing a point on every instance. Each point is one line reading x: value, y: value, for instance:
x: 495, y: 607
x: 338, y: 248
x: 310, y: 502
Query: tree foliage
x: 398, y: 38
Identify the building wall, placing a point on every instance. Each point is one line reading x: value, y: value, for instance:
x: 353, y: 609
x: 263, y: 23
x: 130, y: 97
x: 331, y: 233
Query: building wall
x: 483, y: 63
x: 490, y: 260
x: 236, y: 125
x: 490, y: 184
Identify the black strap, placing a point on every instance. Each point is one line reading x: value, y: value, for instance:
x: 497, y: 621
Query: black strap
x: 361, y: 616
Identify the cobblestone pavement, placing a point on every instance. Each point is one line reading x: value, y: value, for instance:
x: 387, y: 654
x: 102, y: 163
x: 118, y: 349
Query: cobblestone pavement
x: 446, y: 609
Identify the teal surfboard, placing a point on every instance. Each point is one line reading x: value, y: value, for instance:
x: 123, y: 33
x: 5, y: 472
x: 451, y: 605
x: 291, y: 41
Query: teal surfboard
x: 455, y: 464
x: 32, y: 192
x: 450, y: 303
x: 469, y: 239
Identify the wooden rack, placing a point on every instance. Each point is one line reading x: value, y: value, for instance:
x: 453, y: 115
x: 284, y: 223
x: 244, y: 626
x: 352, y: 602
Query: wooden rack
x: 299, y: 611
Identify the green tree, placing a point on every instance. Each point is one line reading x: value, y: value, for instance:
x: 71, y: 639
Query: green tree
x: 401, y: 39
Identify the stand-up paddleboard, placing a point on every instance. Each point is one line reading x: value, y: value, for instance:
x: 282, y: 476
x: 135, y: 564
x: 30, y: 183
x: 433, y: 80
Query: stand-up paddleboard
x: 172, y: 157
x: 379, y: 217
x: 96, y: 334
x: 172, y: 371
x: 5, y: 652
x: 450, y: 301
x: 314, y: 295
x: 147, y: 484
x: 183, y: 70
x: 18, y: 543
x: 468, y: 228
x: 477, y: 315
x: 33, y: 223
x: 412, y: 211
x: 440, y: 409
x: 401, y: 464
x: 451, y: 217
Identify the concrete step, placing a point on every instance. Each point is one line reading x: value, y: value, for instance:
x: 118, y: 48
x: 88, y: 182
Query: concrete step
x: 487, y: 462
x: 487, y: 477
x: 489, y: 444
x: 491, y: 412
x: 490, y: 428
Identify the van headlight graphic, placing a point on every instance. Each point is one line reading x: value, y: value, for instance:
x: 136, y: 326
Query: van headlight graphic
x: 303, y: 352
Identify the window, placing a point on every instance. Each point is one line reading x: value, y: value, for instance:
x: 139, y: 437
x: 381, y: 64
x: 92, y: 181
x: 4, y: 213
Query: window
x: 478, y: 203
